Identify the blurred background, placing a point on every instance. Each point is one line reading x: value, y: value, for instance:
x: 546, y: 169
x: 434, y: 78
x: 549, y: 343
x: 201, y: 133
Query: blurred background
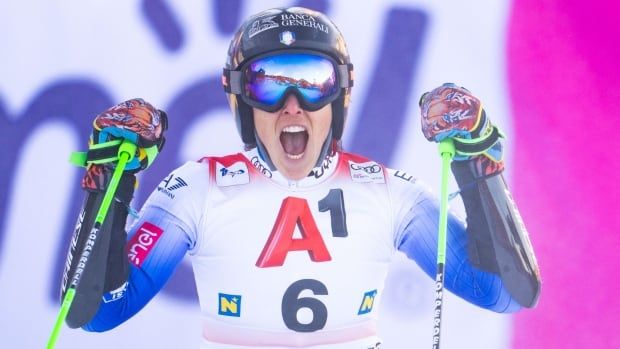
x: 545, y: 71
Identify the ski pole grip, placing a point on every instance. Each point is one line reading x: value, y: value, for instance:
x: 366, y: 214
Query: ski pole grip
x: 127, y: 148
x: 447, y: 147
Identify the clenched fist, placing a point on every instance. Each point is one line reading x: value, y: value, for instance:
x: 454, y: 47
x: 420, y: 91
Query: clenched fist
x: 134, y: 120
x: 450, y: 111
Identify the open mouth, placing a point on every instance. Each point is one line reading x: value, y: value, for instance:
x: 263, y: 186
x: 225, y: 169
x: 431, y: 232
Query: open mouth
x: 294, y: 140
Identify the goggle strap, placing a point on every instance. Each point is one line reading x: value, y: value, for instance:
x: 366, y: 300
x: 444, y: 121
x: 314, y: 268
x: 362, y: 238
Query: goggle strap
x: 231, y: 80
x: 346, y: 76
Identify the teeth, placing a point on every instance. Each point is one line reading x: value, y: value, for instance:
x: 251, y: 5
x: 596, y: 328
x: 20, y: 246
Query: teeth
x: 293, y: 129
x: 294, y: 157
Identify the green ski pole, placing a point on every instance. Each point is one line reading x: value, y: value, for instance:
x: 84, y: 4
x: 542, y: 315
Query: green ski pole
x: 126, y: 152
x: 446, y: 150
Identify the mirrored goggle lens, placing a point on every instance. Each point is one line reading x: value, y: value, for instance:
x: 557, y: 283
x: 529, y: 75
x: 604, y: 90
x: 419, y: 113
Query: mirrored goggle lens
x: 268, y: 79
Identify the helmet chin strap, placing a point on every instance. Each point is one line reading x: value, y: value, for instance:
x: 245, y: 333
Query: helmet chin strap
x: 324, y: 149
x: 264, y: 154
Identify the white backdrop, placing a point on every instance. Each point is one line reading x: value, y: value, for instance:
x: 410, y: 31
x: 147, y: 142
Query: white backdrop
x: 115, y: 47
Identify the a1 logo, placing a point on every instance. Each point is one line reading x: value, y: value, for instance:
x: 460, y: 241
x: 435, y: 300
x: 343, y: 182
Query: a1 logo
x: 295, y: 212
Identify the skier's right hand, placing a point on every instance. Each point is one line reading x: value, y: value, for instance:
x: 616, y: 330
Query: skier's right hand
x: 134, y: 120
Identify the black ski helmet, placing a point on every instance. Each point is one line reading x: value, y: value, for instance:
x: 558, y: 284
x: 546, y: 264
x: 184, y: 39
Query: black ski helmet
x: 260, y: 34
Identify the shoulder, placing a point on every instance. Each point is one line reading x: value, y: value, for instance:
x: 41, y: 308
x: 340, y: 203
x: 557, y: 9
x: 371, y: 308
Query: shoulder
x: 194, y: 178
x: 182, y: 181
x: 188, y: 186
x: 195, y: 171
x: 362, y: 169
x: 228, y: 170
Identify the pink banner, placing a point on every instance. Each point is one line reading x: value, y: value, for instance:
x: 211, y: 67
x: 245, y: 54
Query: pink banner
x: 564, y: 91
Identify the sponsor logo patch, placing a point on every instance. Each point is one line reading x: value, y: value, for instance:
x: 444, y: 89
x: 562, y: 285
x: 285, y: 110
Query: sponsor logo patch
x: 287, y: 38
x: 366, y: 172
x: 226, y: 172
x: 367, y: 302
x: 143, y: 242
x: 229, y: 305
x: 318, y: 172
x: 302, y: 20
x: 234, y: 174
x: 259, y: 166
x: 261, y: 25
x: 72, y: 250
x: 115, y: 295
x: 170, y: 184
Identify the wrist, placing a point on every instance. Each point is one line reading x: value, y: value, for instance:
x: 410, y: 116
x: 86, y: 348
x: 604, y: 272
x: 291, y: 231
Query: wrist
x: 97, y: 178
x: 476, y: 168
x: 479, y: 141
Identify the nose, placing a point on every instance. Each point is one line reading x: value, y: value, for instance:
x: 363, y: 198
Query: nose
x: 291, y: 105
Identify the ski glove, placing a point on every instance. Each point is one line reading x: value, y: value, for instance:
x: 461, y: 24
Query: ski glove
x: 134, y: 120
x: 450, y: 111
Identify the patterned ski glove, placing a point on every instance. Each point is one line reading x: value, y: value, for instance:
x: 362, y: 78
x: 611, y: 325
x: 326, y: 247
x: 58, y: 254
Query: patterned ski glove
x: 450, y: 111
x: 134, y: 120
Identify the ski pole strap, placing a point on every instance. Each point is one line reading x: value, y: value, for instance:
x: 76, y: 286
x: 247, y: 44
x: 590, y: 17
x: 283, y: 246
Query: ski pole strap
x: 99, y: 153
x: 479, y: 145
x: 125, y: 153
x: 108, y: 152
x: 150, y: 152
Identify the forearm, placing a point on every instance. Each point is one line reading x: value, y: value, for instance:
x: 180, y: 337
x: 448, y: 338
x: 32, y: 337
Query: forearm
x: 419, y: 243
x: 497, y: 239
x: 93, y: 265
x: 156, y: 246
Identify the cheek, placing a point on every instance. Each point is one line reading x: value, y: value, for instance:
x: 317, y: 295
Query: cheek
x: 325, y: 127
x: 323, y: 122
x: 264, y: 126
x: 260, y: 128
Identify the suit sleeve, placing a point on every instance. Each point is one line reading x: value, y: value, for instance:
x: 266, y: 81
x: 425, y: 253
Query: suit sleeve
x: 417, y: 225
x: 167, y: 229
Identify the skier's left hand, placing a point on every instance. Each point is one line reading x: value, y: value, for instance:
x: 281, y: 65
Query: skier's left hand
x: 451, y: 111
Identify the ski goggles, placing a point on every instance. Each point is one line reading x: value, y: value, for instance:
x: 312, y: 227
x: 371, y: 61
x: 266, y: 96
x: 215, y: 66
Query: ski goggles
x: 266, y: 81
